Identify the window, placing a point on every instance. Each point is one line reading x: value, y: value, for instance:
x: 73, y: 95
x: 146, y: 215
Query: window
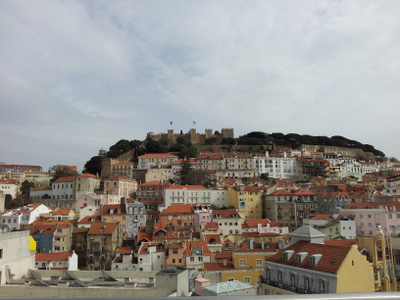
x: 267, y: 292
x: 307, y: 284
x: 192, y: 259
x: 259, y: 262
x: 292, y: 280
x: 200, y: 258
x: 242, y: 262
x: 247, y: 279
x: 322, y: 287
x: 1, y: 253
x: 280, y: 277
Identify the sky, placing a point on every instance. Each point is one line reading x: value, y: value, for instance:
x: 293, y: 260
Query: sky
x: 78, y: 76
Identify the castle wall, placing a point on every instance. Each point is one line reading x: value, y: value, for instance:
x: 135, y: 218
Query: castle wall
x: 352, y: 152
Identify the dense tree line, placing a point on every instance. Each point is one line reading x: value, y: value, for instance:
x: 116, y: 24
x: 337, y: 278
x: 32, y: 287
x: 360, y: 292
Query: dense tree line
x: 294, y: 140
x: 185, y: 149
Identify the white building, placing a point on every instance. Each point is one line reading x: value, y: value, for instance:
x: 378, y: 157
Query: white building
x: 276, y: 166
x: 22, y: 217
x: 155, y: 160
x: 194, y: 194
x: 57, y: 261
x: 9, y: 187
x: 12, y: 261
x: 151, y: 257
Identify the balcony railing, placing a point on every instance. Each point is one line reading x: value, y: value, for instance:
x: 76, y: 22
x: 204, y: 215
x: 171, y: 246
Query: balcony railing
x: 286, y: 287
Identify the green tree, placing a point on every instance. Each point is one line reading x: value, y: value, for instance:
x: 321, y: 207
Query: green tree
x: 62, y: 171
x: 93, y: 166
x: 26, y: 187
x: 155, y: 147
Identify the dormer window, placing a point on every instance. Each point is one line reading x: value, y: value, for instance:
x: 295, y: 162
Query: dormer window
x: 286, y: 255
x: 300, y: 257
x: 314, y: 259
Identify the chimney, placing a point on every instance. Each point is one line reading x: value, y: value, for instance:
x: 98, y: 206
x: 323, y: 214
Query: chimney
x: 251, y: 244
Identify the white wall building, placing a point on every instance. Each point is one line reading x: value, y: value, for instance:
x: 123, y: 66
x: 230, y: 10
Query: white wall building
x: 22, y: 217
x: 9, y: 187
x: 12, y: 261
x: 276, y: 166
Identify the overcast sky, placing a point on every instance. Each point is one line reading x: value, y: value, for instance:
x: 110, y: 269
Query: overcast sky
x: 77, y: 76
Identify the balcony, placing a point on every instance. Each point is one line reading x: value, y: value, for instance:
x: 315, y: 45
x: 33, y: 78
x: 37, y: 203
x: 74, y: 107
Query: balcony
x: 286, y: 287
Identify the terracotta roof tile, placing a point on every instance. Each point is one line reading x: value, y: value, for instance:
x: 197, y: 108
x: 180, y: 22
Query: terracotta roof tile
x: 52, y: 256
x: 178, y: 209
x: 103, y: 228
x: 332, y: 256
x: 212, y: 238
x: 65, y: 179
x: 202, y: 244
x: 211, y: 266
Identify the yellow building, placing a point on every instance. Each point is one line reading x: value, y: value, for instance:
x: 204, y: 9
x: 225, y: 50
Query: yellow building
x: 379, y: 253
x: 247, y: 200
x: 313, y: 268
x: 246, y: 264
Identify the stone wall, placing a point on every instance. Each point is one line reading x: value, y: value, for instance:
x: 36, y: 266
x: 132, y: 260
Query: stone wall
x: 352, y: 152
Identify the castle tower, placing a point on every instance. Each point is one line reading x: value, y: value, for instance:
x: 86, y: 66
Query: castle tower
x: 193, y: 135
x: 208, y: 133
x: 227, y: 133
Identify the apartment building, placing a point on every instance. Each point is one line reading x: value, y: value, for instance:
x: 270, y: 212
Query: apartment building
x: 247, y: 200
x: 313, y: 268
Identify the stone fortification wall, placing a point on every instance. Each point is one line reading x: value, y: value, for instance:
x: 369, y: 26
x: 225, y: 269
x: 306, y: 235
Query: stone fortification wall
x: 352, y: 152
x: 106, y: 162
x: 192, y: 136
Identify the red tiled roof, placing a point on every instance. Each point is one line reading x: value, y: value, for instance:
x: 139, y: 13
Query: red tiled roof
x: 168, y: 235
x: 211, y: 266
x: 326, y: 217
x: 332, y: 256
x: 222, y: 255
x: 87, y: 175
x: 52, y: 256
x: 175, y: 246
x: 362, y: 205
x: 90, y: 219
x: 154, y: 182
x: 124, y: 249
x: 80, y: 230
x: 211, y: 225
x: 178, y: 209
x: 63, y: 211
x: 65, y: 179
x: 209, y: 237
x: 226, y: 213
x: 342, y: 243
x: 142, y: 236
x: 202, y: 244
x: 255, y: 222
x: 145, y: 245
x: 103, y: 228
x: 106, y: 209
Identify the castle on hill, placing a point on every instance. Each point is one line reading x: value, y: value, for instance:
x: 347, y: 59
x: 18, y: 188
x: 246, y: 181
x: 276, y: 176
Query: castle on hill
x: 192, y: 136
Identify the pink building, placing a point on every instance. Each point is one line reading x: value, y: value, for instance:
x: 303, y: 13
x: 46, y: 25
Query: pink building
x: 370, y: 215
x: 122, y: 186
